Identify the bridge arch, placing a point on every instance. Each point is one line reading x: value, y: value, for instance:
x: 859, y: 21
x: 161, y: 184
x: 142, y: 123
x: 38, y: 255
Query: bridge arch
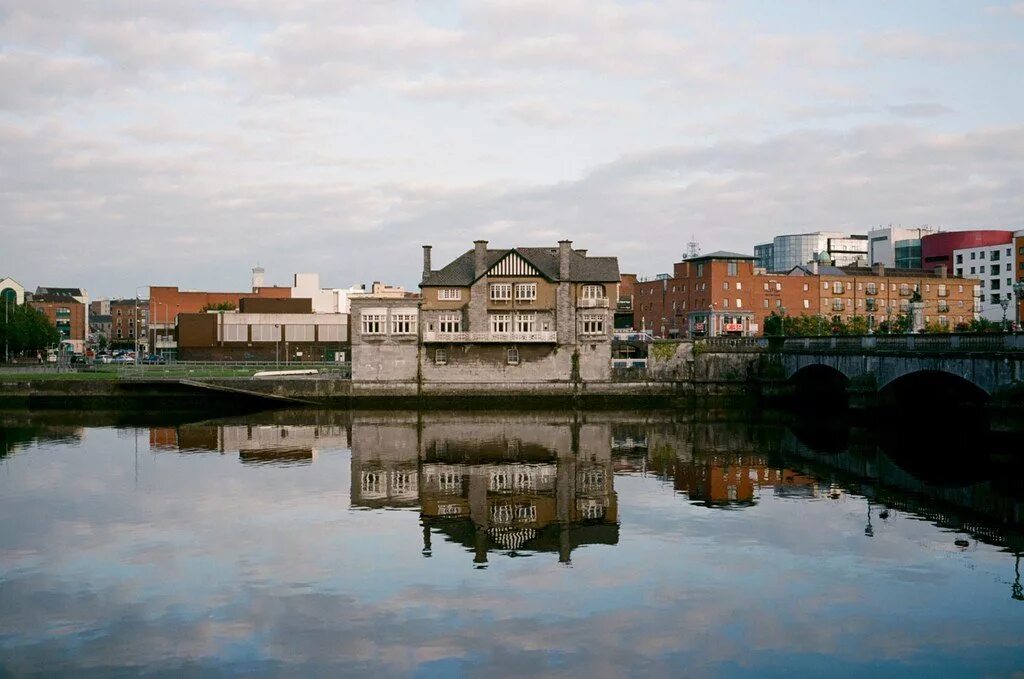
x: 934, y: 381
x: 819, y: 385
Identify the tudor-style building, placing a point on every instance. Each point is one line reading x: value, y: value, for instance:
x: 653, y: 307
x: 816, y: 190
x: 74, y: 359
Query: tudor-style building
x: 518, y: 314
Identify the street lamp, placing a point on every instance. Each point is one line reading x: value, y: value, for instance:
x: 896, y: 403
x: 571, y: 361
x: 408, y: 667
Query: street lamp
x: 711, y: 319
x: 782, y: 320
x: 1004, y: 302
x: 1018, y: 292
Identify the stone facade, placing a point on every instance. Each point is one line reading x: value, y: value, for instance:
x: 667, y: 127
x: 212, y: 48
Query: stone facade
x: 493, y: 317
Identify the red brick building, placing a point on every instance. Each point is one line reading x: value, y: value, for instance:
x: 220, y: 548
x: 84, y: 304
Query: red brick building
x: 723, y: 293
x: 167, y: 302
x: 128, y: 320
x: 67, y: 314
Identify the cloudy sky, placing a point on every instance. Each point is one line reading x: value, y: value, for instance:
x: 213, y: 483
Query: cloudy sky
x: 181, y: 142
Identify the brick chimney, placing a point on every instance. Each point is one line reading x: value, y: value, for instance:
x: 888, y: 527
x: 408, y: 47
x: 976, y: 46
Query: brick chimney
x: 878, y: 269
x: 479, y: 258
x: 941, y: 271
x: 426, y: 261
x: 564, y: 259
x: 813, y: 264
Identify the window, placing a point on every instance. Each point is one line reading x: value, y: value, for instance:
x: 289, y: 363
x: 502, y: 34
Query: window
x: 960, y: 259
x: 593, y: 292
x: 994, y: 256
x: 872, y: 305
x: 236, y: 333
x: 778, y: 303
x: 739, y: 302
x: 766, y: 287
x: 942, y: 290
x: 837, y: 305
x: 373, y: 323
x: 501, y: 291
x: 725, y: 303
x: 778, y: 287
x: 526, y: 291
x: 731, y: 269
x: 592, y: 324
x: 837, y: 288
x: 824, y: 285
x: 513, y: 355
x: 872, y: 289
x: 725, y: 285
x: 300, y: 333
x: 501, y: 323
x: 995, y: 284
x: 739, y: 285
x: 266, y: 332
x: 526, y: 323
x: 973, y: 255
x: 700, y: 271
x: 981, y: 255
x: 765, y: 304
x: 449, y: 323
x: 981, y: 269
x: 403, y: 323
x: 449, y: 294
x: 904, y: 289
x: 959, y: 272
x: 943, y: 306
x: 441, y: 357
x: 806, y: 287
x: 807, y: 304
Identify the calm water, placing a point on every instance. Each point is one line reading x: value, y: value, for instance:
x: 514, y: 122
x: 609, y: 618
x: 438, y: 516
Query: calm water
x: 304, y: 543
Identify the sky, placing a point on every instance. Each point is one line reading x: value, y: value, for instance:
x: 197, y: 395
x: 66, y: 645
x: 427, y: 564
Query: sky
x: 181, y: 143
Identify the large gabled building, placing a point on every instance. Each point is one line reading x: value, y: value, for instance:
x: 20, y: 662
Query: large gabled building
x: 491, y: 316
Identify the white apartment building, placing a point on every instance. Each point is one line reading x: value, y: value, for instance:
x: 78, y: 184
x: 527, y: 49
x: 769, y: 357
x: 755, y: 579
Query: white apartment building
x: 325, y: 300
x: 993, y: 267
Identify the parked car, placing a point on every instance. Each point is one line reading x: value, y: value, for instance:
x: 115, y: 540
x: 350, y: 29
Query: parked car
x: 104, y: 358
x: 123, y: 358
x: 153, y: 359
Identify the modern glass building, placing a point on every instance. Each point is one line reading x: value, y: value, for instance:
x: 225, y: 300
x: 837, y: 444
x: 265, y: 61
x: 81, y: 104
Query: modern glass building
x: 897, y: 247
x: 796, y: 249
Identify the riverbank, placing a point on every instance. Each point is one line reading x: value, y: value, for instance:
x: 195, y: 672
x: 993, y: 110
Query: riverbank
x: 85, y: 394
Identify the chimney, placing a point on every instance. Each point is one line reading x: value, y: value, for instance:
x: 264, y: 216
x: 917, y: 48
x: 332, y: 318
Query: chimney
x: 582, y: 253
x: 878, y: 269
x: 814, y: 266
x: 941, y: 271
x: 426, y: 261
x: 564, y: 258
x: 480, y: 258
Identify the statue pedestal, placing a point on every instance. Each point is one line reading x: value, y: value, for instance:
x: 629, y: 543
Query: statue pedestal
x: 917, y: 317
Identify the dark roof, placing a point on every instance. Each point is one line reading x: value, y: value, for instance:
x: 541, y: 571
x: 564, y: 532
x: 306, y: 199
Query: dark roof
x: 52, y: 298
x: 823, y: 270
x: 582, y: 268
x: 720, y: 254
x: 64, y: 292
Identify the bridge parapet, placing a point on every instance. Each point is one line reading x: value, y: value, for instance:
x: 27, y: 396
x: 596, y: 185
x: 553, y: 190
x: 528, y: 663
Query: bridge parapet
x: 898, y: 344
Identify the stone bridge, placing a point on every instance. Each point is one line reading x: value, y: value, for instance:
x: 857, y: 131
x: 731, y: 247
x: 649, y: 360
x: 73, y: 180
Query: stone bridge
x: 992, y: 364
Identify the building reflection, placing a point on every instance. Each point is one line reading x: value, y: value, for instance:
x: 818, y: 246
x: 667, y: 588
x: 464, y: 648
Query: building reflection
x: 512, y: 485
x: 271, y: 443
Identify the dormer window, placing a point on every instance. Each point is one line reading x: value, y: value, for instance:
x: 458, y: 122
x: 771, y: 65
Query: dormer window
x: 449, y: 294
x: 593, y: 292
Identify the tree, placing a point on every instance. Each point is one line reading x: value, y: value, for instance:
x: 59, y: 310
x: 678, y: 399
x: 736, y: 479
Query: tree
x: 219, y: 306
x: 26, y: 330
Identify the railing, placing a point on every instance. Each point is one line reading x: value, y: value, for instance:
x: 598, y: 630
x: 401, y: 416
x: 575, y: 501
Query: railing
x: 731, y: 344
x: 491, y: 337
x: 591, y: 303
x: 186, y: 369
x: 956, y: 343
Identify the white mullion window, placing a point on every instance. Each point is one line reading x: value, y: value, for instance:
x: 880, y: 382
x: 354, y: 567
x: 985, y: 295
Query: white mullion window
x: 526, y: 291
x: 593, y: 292
x: 449, y: 294
x: 450, y: 323
x: 501, y: 323
x: 526, y: 323
x: 403, y: 324
x: 592, y: 324
x: 501, y: 291
x: 373, y: 323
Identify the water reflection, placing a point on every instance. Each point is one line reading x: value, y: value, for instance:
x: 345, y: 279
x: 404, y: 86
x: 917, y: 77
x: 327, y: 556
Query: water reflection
x: 511, y: 485
x: 302, y: 543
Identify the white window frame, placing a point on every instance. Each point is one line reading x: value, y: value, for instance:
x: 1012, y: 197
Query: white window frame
x: 500, y: 324
x: 449, y: 294
x: 512, y: 355
x: 526, y: 291
x: 592, y: 292
x: 235, y: 332
x: 300, y: 332
x: 449, y: 323
x: 501, y: 292
x: 373, y: 322
x: 592, y: 324
x: 526, y: 323
x: 403, y: 323
x: 440, y: 357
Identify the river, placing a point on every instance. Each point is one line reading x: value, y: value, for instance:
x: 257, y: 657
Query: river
x: 304, y: 543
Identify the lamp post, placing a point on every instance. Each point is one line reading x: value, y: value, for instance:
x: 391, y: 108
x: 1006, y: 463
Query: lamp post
x: 782, y: 320
x: 1018, y: 293
x: 711, y: 319
x: 1004, y: 302
x: 277, y: 345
